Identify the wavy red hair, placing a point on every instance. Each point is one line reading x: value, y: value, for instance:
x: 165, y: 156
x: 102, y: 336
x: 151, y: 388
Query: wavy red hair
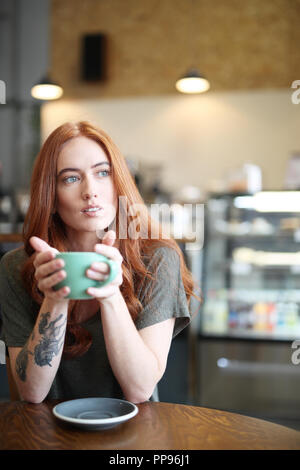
x: 43, y: 222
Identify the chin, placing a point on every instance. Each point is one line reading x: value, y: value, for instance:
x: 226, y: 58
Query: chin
x: 93, y: 224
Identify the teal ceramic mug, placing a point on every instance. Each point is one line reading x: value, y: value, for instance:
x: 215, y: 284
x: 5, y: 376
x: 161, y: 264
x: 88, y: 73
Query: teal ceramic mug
x: 76, y: 264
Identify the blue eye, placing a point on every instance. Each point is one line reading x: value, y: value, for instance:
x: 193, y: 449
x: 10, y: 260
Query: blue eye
x: 70, y: 179
x: 103, y: 173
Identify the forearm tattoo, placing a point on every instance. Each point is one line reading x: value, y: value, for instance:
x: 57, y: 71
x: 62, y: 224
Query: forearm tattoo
x: 50, y: 344
x: 22, y: 362
x: 51, y: 341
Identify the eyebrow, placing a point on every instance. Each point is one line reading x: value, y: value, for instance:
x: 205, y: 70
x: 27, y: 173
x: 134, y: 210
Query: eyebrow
x: 65, y: 170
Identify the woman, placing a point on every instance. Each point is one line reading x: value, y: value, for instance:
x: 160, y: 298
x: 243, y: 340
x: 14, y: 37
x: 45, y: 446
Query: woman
x: 116, y: 344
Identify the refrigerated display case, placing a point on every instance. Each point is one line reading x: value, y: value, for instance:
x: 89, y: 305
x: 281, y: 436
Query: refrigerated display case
x: 250, y: 317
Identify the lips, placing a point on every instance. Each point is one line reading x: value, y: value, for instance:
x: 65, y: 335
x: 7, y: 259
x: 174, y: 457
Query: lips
x: 91, y: 209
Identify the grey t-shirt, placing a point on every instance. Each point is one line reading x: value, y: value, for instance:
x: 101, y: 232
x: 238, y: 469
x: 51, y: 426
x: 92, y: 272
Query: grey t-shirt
x: 91, y: 375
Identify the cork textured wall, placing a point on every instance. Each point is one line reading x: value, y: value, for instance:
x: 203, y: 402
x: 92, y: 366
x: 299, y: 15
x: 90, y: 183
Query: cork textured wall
x: 237, y: 44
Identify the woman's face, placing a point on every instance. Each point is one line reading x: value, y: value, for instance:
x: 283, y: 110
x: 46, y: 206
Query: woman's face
x: 85, y: 192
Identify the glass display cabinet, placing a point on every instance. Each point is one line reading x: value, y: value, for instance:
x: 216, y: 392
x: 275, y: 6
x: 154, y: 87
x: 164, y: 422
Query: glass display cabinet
x: 250, y: 319
x: 251, y: 266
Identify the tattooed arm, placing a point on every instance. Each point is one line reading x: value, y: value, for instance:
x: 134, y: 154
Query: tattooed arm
x: 35, y: 365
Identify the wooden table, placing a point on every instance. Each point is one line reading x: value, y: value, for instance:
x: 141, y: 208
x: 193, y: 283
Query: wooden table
x: 156, y: 426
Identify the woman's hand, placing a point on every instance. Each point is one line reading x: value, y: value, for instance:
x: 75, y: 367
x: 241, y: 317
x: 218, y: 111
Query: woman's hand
x: 100, y: 271
x: 48, y: 270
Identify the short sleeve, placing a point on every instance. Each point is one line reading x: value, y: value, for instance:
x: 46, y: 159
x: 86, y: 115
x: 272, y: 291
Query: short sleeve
x: 17, y: 309
x: 164, y: 297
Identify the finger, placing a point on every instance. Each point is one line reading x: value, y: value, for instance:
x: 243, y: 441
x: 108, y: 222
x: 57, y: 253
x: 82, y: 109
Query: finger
x: 43, y: 257
x: 101, y: 277
x: 101, y: 292
x: 40, y: 245
x: 51, y: 281
x: 97, y: 276
x: 100, y: 267
x: 109, y: 251
x: 45, y: 269
x: 109, y: 238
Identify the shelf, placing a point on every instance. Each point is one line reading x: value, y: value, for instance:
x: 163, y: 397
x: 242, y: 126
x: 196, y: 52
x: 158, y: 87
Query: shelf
x: 228, y: 265
x: 251, y: 236
x: 250, y: 335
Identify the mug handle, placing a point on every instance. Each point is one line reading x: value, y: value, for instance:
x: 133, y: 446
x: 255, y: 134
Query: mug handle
x: 113, y: 271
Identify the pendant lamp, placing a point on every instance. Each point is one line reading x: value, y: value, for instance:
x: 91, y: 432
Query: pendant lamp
x: 46, y: 89
x: 192, y: 82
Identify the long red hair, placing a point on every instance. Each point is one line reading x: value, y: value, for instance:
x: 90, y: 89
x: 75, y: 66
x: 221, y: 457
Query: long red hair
x: 43, y: 222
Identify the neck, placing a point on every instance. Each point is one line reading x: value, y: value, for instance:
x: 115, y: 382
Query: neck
x: 82, y: 241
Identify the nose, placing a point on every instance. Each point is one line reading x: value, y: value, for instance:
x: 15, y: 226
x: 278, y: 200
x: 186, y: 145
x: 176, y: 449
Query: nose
x: 88, y: 191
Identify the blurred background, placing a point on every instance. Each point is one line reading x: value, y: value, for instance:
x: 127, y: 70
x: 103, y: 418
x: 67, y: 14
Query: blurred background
x: 232, y: 147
